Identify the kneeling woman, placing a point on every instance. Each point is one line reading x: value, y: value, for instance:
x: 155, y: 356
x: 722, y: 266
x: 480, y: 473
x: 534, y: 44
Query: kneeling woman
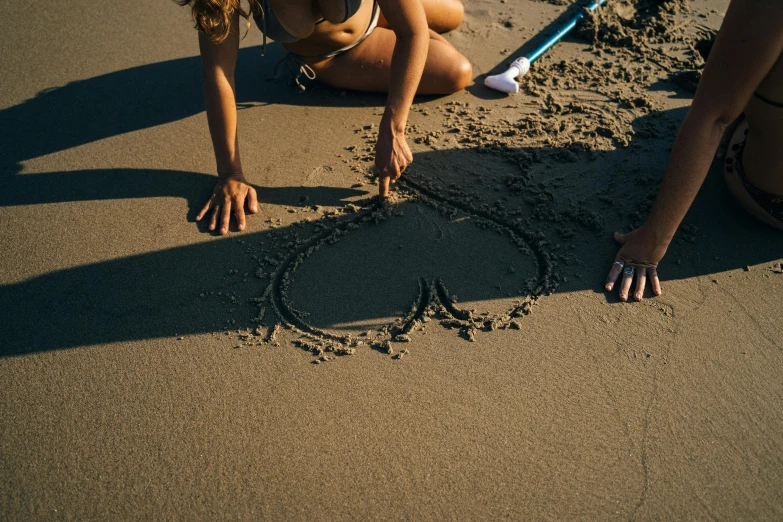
x: 390, y: 46
x: 743, y: 75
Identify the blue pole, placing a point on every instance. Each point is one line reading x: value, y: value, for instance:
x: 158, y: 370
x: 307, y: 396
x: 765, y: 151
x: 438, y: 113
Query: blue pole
x: 535, y: 55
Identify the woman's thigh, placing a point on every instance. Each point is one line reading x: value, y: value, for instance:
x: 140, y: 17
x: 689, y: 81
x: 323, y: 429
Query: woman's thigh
x: 442, y: 15
x: 367, y: 66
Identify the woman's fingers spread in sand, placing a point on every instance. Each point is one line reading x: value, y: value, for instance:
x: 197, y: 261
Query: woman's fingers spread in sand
x: 252, y: 200
x: 655, y: 283
x: 614, y: 273
x: 239, y: 212
x: 225, y: 217
x: 625, y: 285
x: 239, y: 201
x: 204, y: 210
x: 230, y: 194
x: 638, y: 257
x: 213, y: 221
x: 641, y: 281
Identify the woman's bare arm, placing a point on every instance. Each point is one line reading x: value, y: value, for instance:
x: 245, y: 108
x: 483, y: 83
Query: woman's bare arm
x: 218, y: 61
x: 749, y: 43
x: 409, y: 22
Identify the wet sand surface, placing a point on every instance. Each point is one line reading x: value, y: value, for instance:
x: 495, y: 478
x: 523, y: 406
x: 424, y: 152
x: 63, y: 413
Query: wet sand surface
x: 447, y: 355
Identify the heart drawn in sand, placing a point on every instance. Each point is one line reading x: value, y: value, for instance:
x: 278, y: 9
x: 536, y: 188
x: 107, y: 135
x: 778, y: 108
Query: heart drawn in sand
x: 360, y: 274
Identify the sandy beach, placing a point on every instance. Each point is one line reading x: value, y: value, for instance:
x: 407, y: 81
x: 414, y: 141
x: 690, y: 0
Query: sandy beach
x: 447, y: 355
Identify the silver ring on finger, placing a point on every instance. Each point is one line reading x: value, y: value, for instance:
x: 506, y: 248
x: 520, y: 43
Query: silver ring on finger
x: 629, y: 270
x: 619, y: 263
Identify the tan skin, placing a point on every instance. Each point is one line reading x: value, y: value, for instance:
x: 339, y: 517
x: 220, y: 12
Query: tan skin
x: 403, y: 57
x: 741, y: 62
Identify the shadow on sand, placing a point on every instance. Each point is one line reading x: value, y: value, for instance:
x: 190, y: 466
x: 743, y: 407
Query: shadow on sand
x: 370, y: 274
x: 373, y: 272
x: 142, y: 97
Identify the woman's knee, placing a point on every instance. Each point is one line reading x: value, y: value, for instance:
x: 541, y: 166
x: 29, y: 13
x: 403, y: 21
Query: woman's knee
x: 458, y: 75
x: 455, y: 13
x: 445, y: 15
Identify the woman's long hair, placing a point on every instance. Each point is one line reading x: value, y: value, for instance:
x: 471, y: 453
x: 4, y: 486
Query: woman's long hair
x: 213, y: 17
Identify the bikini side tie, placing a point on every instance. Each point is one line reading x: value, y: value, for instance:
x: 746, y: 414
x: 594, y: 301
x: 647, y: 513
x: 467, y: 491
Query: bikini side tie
x: 296, y: 67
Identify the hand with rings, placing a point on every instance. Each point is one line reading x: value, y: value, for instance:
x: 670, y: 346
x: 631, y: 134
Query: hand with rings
x: 638, y: 257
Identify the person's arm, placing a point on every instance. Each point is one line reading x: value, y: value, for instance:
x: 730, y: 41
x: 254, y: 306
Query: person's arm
x: 409, y: 23
x: 749, y: 43
x: 232, y: 191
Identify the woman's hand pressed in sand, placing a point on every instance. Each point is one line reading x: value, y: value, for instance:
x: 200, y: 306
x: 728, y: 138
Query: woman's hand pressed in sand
x: 392, y: 155
x: 231, y: 192
x: 638, y: 256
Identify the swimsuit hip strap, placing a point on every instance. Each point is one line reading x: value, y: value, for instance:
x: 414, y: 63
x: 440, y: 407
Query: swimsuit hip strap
x: 772, y: 204
x: 768, y: 101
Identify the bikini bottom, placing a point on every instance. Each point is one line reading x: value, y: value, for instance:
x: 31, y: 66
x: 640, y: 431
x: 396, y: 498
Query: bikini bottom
x: 771, y: 204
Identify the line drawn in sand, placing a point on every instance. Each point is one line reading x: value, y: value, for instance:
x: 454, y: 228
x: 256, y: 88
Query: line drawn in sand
x: 433, y: 302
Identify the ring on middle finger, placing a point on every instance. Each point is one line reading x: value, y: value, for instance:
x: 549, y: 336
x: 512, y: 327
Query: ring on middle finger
x: 628, y: 270
x: 619, y: 263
